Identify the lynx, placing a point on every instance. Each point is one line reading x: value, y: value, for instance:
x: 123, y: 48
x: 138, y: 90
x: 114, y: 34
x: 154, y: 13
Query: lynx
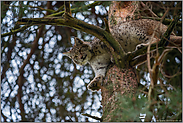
x: 135, y: 34
x: 96, y: 54
x: 131, y: 35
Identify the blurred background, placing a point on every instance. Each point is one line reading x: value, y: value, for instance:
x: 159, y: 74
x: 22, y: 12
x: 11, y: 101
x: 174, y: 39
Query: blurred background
x: 38, y: 83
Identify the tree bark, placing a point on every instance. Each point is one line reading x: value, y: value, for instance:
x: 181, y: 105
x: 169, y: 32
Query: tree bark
x: 118, y: 82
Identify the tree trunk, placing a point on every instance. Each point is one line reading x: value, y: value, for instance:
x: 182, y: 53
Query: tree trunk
x: 118, y: 82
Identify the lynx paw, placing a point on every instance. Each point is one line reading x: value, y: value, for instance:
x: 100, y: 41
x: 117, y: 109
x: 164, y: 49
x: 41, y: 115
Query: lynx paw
x: 95, y: 84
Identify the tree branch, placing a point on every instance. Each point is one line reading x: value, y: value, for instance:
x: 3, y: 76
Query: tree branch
x: 106, y: 25
x: 21, y: 71
x: 4, y: 117
x: 21, y: 78
x: 16, y: 30
x: 67, y: 20
x: 77, y: 9
x: 168, y: 32
x: 67, y: 7
x: 13, y: 31
x: 94, y: 117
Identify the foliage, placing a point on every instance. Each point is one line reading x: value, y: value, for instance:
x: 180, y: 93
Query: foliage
x: 54, y: 88
x: 133, y: 107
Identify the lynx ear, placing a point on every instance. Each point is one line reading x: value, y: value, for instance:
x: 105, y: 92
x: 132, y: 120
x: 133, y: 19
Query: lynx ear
x: 67, y: 53
x: 78, y: 41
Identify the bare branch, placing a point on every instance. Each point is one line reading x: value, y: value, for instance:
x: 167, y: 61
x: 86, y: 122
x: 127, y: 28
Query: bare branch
x: 154, y: 70
x: 161, y: 70
x: 13, y: 31
x: 21, y: 78
x: 94, y: 117
x: 149, y: 10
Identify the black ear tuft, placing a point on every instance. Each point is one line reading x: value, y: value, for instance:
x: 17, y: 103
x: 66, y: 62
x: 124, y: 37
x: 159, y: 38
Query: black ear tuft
x: 78, y: 41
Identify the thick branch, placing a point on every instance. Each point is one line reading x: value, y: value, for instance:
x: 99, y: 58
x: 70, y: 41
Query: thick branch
x: 168, y: 32
x: 69, y: 21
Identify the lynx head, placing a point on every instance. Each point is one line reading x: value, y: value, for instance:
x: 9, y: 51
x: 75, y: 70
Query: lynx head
x: 80, y: 52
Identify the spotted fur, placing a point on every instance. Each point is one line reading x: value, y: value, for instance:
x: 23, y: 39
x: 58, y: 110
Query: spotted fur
x: 136, y: 33
x: 96, y: 54
x: 130, y: 34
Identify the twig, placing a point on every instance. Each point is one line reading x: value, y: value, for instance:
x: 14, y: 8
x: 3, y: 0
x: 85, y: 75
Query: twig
x: 162, y: 86
x: 38, y: 7
x: 175, y: 41
x: 139, y: 60
x: 43, y: 9
x: 154, y: 71
x: 94, y: 117
x: 21, y: 70
x: 168, y: 32
x: 13, y: 31
x: 168, y: 76
x: 163, y: 54
x: 176, y: 115
x: 60, y: 8
x: 76, y: 9
x: 4, y: 117
x: 5, y: 66
x: 151, y: 12
x: 179, y: 50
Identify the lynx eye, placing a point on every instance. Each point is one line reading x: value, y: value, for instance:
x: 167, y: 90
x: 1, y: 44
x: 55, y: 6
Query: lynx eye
x: 84, y: 57
x: 75, y: 57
